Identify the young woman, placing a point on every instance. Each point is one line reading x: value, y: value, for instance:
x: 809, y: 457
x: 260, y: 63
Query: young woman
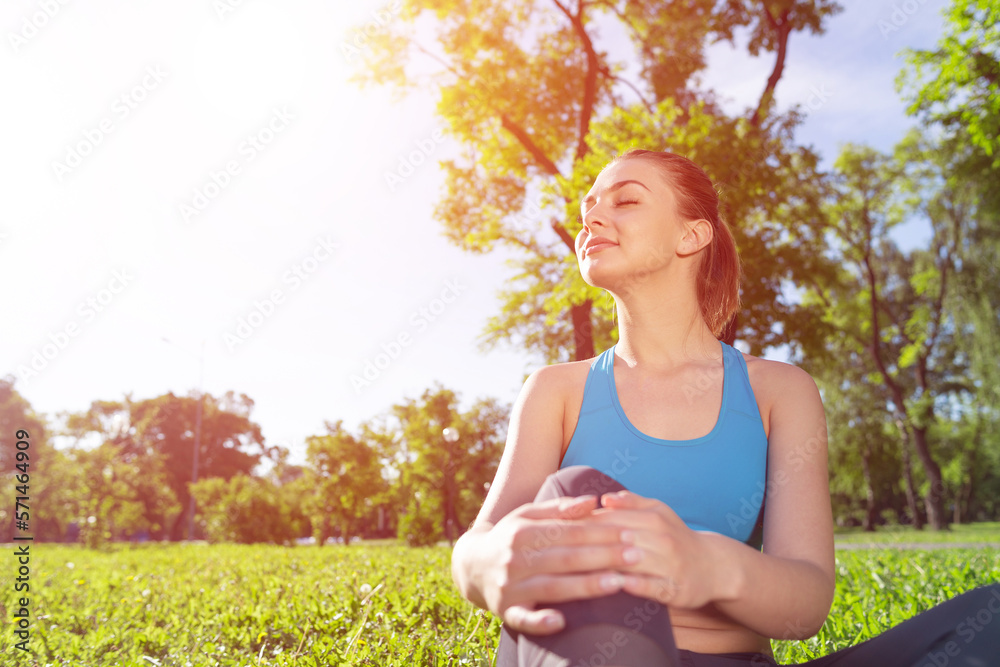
x: 720, y: 452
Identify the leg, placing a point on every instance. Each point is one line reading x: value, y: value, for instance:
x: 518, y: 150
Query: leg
x: 963, y: 631
x: 619, y: 629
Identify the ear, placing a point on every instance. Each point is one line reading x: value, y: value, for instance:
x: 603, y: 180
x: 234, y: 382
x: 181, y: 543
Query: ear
x: 697, y: 235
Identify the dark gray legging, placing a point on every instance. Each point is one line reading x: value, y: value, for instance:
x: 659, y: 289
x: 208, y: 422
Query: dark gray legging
x: 627, y: 631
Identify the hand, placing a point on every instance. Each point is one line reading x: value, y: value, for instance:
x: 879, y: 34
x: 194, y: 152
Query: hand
x: 669, y: 562
x: 548, y: 552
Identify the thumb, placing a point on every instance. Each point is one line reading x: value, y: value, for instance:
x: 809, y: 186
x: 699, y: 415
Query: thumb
x: 533, y: 621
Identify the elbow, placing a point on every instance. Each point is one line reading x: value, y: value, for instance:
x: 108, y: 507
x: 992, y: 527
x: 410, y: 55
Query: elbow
x: 811, y: 621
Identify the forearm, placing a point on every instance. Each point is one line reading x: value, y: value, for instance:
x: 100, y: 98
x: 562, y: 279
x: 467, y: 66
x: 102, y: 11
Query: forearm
x: 463, y: 570
x: 779, y: 598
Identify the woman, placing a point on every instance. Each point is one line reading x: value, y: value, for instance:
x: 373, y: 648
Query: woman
x: 712, y: 445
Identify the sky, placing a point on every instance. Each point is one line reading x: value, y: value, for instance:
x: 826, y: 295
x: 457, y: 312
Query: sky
x: 192, y: 194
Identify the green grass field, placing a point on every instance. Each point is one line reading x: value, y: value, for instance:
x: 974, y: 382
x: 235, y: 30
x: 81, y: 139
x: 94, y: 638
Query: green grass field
x: 972, y: 533
x: 196, y: 605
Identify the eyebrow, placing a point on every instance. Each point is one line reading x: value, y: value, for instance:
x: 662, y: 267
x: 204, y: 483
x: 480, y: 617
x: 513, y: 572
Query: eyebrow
x: 616, y: 186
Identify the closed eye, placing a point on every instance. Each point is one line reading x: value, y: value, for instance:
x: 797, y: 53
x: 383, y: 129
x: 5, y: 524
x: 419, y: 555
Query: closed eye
x: 623, y: 202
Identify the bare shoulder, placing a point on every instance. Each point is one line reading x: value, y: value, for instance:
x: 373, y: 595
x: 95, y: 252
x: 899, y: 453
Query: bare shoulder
x: 777, y: 375
x: 779, y: 385
x: 535, y: 437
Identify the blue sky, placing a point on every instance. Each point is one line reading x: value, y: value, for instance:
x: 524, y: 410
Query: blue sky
x: 202, y: 172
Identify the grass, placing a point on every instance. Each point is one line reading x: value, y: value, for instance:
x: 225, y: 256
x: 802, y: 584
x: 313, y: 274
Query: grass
x: 973, y: 533
x: 230, y: 605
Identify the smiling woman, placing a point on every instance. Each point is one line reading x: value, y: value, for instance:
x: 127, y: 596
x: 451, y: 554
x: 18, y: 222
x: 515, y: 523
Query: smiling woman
x: 671, y: 473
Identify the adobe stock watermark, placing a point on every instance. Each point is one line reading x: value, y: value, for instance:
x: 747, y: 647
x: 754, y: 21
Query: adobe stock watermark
x: 32, y: 25
x: 123, y: 106
x: 380, y: 18
x: 420, y: 320
x: 218, y: 180
x: 968, y: 629
x: 264, y: 308
x: 87, y: 311
x: 225, y: 7
x: 749, y: 509
x: 900, y: 16
x: 409, y: 162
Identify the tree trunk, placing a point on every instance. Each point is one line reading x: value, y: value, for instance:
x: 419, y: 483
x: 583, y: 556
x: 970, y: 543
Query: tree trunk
x: 934, y: 501
x: 869, y: 489
x: 583, y: 333
x: 911, y: 492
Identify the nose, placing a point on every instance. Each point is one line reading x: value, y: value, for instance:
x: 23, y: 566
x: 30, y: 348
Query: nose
x: 591, y: 219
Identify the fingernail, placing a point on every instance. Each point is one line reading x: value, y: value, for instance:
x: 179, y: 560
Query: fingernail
x: 632, y: 555
x: 612, y: 581
x: 552, y: 621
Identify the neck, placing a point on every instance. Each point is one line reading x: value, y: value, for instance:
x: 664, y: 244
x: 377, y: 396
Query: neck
x: 662, y: 327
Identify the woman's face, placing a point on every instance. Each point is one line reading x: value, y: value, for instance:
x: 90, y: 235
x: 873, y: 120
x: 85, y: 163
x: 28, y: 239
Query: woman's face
x: 631, y: 228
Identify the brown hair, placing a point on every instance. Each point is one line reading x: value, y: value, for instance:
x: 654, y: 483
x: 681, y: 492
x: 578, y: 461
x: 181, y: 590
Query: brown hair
x: 719, y: 271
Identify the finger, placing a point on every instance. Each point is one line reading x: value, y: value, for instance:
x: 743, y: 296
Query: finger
x: 575, y: 559
x: 533, y: 621
x: 566, y: 587
x: 536, y: 536
x: 631, y: 519
x: 558, y: 508
x: 629, y: 500
x: 664, y: 590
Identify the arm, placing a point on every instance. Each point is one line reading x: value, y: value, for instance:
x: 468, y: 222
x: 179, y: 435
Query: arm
x: 784, y: 592
x: 518, y: 552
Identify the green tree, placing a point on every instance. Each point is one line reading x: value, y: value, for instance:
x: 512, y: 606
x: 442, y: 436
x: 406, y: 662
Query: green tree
x: 892, y: 306
x: 117, y: 496
x: 243, y: 509
x: 164, y: 428
x: 522, y: 86
x: 50, y: 473
x: 344, y: 481
x: 442, y: 483
x: 955, y: 88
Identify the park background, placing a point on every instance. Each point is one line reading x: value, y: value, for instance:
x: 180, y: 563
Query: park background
x: 310, y: 238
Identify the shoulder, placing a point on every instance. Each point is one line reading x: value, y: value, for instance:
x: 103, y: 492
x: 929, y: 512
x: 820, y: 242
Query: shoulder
x: 781, y: 389
x: 535, y: 437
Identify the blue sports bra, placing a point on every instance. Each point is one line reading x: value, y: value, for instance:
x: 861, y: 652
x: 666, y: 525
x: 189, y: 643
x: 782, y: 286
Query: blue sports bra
x: 715, y: 482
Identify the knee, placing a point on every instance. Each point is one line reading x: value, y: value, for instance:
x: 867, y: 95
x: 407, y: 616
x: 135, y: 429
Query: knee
x: 577, y: 481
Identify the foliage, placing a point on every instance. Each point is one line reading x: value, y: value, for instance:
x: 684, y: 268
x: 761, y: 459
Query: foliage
x: 51, y: 502
x: 524, y: 87
x: 343, y: 483
x: 245, y: 510
x: 240, y: 606
x: 437, y: 478
x: 163, y: 429
x: 957, y: 85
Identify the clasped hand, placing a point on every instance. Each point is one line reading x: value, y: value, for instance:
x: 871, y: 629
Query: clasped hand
x: 570, y: 549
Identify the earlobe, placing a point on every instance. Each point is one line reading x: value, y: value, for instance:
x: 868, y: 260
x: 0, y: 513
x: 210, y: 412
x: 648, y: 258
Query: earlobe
x: 698, y: 235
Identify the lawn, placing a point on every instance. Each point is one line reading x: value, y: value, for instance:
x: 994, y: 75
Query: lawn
x: 198, y: 605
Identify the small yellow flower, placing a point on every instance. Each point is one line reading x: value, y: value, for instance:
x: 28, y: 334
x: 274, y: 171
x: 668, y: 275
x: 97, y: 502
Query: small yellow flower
x: 261, y: 636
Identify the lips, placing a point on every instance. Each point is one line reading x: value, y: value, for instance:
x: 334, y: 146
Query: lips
x: 596, y: 244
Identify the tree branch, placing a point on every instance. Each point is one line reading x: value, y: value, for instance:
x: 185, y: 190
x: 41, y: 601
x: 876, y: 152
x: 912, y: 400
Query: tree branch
x: 589, y: 81
x: 783, y: 29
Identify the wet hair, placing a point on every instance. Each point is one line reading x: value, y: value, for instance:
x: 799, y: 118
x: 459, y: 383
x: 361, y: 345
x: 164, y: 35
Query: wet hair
x: 719, y: 271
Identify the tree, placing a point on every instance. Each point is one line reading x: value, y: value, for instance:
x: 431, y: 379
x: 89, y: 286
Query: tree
x: 243, y: 509
x: 118, y: 496
x: 442, y: 484
x: 344, y: 478
x: 955, y: 89
x: 892, y: 305
x: 522, y: 87
x: 163, y: 428
x: 48, y: 470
